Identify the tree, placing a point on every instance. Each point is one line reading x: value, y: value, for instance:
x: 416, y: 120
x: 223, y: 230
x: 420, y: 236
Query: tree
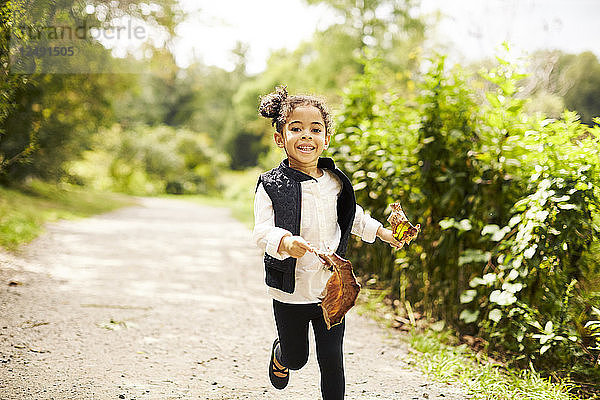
x: 62, y: 111
x: 581, y: 81
x: 558, y: 80
x: 13, y: 14
x: 385, y: 27
x: 371, y: 28
x: 34, y: 129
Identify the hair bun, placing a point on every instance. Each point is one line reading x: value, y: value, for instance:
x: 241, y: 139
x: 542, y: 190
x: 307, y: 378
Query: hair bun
x: 271, y: 103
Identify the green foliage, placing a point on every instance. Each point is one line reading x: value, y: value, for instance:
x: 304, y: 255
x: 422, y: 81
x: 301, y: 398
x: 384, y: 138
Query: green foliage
x: 61, y: 112
x: 440, y: 354
x: 13, y: 13
x: 198, y: 98
x: 46, y: 119
x: 560, y: 80
x: 324, y: 64
x: 506, y: 202
x: 150, y: 160
x: 382, y: 26
x: 583, y: 77
x: 593, y: 328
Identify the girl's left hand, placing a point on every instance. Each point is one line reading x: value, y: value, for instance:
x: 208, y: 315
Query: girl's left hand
x: 388, y: 236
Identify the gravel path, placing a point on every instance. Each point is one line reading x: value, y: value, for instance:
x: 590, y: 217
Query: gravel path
x: 165, y: 300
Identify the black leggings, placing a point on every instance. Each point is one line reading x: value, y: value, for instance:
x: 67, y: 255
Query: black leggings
x: 292, y: 327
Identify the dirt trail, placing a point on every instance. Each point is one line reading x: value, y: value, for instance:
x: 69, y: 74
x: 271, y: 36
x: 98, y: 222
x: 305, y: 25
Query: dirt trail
x: 165, y: 300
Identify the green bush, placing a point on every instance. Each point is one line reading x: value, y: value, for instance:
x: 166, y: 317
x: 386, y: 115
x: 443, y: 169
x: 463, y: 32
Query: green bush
x: 150, y: 160
x: 506, y: 201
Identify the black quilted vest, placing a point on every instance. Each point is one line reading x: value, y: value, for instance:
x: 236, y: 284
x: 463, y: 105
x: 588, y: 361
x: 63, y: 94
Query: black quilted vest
x: 282, y: 184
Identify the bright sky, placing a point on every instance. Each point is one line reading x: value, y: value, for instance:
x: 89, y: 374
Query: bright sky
x: 214, y: 27
x: 471, y: 29
x: 476, y: 28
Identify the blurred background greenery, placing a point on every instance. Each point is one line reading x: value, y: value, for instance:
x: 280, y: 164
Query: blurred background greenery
x: 496, y: 159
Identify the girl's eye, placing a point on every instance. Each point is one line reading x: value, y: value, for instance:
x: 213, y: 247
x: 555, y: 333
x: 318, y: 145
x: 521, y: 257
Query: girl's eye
x: 295, y: 129
x: 316, y: 130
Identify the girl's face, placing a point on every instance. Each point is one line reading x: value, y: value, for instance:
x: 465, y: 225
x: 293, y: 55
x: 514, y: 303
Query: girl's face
x: 304, y: 137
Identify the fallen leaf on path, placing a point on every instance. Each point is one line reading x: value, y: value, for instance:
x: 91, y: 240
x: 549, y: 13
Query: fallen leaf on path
x: 26, y: 346
x: 38, y: 350
x: 33, y: 324
x: 206, y: 361
x: 113, y: 325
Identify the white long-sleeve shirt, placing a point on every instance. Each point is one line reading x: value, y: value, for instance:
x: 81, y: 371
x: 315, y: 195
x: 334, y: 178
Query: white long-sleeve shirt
x: 318, y: 226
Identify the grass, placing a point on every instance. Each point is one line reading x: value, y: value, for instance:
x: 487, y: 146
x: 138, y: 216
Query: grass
x: 25, y: 209
x: 437, y: 353
x: 481, y: 378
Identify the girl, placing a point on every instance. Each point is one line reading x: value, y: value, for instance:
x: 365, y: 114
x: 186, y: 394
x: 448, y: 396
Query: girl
x: 306, y: 203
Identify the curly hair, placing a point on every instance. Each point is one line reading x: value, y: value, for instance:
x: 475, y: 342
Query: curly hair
x: 278, y: 105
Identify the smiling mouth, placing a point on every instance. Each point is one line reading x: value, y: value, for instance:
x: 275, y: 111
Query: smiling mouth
x: 305, y: 148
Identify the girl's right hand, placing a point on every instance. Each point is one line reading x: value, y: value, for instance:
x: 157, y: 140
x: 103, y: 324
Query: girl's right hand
x: 295, y: 246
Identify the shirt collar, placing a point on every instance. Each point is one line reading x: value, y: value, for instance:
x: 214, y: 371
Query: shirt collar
x: 299, y: 176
